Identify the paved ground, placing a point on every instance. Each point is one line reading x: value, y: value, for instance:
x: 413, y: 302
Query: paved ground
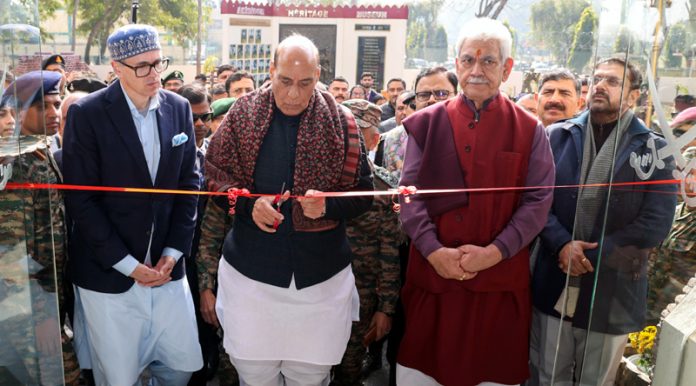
x: 377, y: 378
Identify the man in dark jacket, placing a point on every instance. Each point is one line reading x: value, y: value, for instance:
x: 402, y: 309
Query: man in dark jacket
x: 599, y: 236
x: 286, y: 293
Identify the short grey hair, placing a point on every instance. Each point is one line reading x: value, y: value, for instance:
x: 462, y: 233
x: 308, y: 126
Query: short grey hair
x: 486, y: 29
x: 558, y: 75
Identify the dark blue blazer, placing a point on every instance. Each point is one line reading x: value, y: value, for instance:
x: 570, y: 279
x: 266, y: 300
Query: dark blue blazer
x: 638, y: 218
x: 101, y: 148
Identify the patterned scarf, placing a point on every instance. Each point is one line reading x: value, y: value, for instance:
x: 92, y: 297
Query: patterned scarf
x: 596, y: 169
x: 319, y: 158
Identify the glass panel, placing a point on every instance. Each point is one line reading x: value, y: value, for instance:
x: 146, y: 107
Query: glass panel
x: 31, y: 220
x: 631, y: 216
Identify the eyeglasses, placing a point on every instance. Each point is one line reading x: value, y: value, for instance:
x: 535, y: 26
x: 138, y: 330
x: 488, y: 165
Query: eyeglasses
x: 203, y: 117
x: 612, y: 81
x: 439, y: 95
x: 144, y: 70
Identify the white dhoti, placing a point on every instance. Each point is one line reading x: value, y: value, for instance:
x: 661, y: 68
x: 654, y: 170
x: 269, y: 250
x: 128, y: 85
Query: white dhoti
x: 269, y: 323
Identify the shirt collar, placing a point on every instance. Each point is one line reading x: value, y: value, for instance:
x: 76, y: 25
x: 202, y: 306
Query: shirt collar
x: 154, y: 102
x: 472, y: 105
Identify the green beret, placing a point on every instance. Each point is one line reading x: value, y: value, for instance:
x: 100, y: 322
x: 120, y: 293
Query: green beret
x: 221, y: 106
x: 173, y: 75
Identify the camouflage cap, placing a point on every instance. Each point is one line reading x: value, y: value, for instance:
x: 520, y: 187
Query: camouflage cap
x: 366, y: 114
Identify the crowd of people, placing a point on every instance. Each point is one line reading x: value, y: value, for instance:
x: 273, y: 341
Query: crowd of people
x: 303, y: 274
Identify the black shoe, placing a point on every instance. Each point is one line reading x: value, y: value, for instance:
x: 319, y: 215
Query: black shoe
x: 371, y: 364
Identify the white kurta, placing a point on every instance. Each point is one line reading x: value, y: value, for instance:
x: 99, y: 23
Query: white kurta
x: 119, y: 335
x: 265, y: 322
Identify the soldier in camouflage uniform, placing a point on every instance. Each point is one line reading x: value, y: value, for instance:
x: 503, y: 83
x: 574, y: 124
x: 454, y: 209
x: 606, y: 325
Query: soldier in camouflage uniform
x: 374, y: 238
x: 215, y: 225
x: 673, y: 263
x: 33, y: 243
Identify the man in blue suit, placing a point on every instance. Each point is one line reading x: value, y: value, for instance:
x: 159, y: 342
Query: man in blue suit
x: 133, y: 305
x: 589, y: 283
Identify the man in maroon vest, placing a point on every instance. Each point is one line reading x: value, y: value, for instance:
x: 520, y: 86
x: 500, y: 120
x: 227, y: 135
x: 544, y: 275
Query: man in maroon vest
x: 466, y: 296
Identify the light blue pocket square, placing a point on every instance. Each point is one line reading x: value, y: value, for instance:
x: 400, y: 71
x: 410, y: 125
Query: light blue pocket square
x: 179, y: 139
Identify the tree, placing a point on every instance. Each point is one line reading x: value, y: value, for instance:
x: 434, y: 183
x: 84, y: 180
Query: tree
x: 436, y: 45
x: 513, y: 34
x: 26, y: 12
x: 583, y: 40
x: 625, y: 41
x: 98, y: 19
x: 426, y: 37
x: 490, y: 8
x: 676, y: 45
x: 553, y: 24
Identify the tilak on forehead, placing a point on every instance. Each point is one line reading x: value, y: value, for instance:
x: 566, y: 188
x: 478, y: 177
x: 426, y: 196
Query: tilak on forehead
x: 478, y: 53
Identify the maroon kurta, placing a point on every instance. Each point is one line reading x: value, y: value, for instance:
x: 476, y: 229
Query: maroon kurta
x: 466, y: 332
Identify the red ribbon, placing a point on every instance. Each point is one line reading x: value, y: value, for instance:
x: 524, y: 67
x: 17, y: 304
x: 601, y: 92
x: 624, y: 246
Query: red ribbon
x: 232, y: 194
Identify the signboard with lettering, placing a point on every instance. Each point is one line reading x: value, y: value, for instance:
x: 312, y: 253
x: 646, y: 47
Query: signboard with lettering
x: 314, y: 11
x: 372, y: 27
x: 371, y: 58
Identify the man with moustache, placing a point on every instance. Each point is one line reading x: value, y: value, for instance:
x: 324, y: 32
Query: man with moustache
x: 174, y: 81
x: 395, y: 87
x: 133, y: 306
x: 339, y: 89
x: 367, y: 81
x: 286, y: 292
x: 466, y: 296
x: 559, y: 96
x: 57, y: 139
x: 239, y: 84
x: 224, y: 71
x: 597, y: 239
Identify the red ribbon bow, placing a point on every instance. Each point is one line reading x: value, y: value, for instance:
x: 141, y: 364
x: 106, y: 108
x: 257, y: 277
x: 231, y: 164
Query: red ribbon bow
x: 232, y: 194
x: 406, y: 191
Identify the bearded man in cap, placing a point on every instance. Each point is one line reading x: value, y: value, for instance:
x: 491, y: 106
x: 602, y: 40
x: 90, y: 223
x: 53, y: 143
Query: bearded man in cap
x: 32, y: 225
x: 133, y: 305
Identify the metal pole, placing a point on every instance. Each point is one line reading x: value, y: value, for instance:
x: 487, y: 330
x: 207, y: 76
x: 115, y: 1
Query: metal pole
x: 134, y: 11
x: 74, y: 26
x: 653, y: 62
x: 198, y: 37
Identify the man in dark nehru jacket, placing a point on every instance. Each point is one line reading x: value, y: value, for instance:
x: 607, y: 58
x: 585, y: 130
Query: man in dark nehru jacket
x: 467, y: 292
x: 133, y: 306
x: 173, y: 81
x: 286, y: 293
